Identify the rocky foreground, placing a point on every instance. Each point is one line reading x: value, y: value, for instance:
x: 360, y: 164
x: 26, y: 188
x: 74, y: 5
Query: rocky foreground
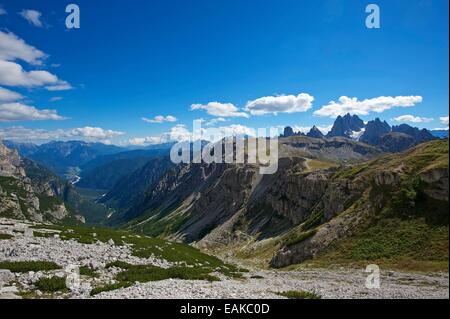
x: 20, y: 244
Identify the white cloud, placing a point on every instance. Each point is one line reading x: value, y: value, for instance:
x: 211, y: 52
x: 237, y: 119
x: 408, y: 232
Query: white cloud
x: 20, y: 133
x: 60, y: 86
x: 214, y: 121
x: 9, y: 96
x: 180, y: 133
x: 20, y: 112
x: 12, y: 74
x: 2, y: 11
x: 220, y: 109
x: 32, y: 16
x: 160, y: 119
x: 354, y: 106
x: 412, y: 119
x: 236, y: 130
x: 56, y: 98
x: 280, y: 104
x: 444, y: 120
x: 177, y: 133
x: 96, y: 133
x: 13, y: 48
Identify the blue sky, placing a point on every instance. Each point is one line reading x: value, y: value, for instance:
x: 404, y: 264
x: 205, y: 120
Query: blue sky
x: 135, y: 59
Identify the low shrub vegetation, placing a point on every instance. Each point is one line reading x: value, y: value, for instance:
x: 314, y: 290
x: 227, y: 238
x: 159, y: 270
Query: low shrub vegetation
x: 51, y: 284
x: 26, y: 266
x: 299, y: 294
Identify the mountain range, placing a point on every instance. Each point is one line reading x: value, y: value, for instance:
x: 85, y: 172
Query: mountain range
x: 331, y: 194
x: 376, y: 132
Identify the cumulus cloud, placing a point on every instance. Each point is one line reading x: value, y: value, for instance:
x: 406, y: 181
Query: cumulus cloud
x: 280, y: 104
x: 220, y: 109
x: 2, y: 11
x: 354, y: 106
x: 10, y: 112
x: 9, y: 96
x: 177, y: 133
x: 96, y: 133
x: 180, y: 133
x: 13, y: 48
x: 12, y: 74
x: 412, y: 119
x: 56, y: 98
x: 214, y: 121
x: 444, y: 120
x: 235, y: 130
x: 20, y: 133
x: 160, y: 119
x: 32, y: 16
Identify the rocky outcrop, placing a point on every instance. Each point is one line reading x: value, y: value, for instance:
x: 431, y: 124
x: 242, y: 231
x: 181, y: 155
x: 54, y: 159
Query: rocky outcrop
x: 436, y: 183
x: 359, y: 194
x: 28, y: 191
x: 10, y: 163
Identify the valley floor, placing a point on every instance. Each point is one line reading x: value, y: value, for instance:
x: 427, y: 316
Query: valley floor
x: 19, y: 246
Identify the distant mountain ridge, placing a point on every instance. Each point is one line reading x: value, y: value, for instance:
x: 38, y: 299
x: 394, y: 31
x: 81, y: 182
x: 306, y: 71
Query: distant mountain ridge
x: 376, y: 132
x: 60, y: 156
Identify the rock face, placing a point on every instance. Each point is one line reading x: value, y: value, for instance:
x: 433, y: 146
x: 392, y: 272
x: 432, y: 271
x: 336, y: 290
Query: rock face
x: 346, y: 125
x: 28, y: 190
x: 221, y: 205
x: 358, y: 194
x: 10, y: 162
x: 189, y: 201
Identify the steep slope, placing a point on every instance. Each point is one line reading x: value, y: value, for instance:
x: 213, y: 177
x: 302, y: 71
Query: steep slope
x: 106, y: 171
x: 130, y: 190
x: 30, y: 191
x: 308, y: 207
x: 191, y: 200
x: 395, y: 211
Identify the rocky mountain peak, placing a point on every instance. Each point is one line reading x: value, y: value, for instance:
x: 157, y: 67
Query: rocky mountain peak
x: 315, y: 132
x: 374, y: 131
x: 346, y: 125
x: 288, y: 131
